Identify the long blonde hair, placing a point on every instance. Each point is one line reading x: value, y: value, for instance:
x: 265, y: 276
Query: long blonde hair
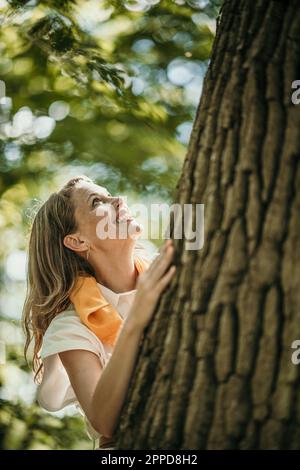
x: 52, y: 267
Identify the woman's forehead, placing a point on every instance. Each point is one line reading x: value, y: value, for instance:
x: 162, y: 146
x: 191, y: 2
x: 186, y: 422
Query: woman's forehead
x: 86, y: 188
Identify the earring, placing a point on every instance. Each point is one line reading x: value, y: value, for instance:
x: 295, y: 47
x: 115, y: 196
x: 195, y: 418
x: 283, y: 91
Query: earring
x: 88, y: 253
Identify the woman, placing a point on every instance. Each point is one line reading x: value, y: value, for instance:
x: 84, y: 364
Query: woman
x: 71, y: 364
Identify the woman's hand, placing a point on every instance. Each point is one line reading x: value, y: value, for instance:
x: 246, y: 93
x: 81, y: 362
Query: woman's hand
x: 150, y: 285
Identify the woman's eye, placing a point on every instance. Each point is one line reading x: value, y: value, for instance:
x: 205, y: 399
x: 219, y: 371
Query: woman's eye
x: 96, y: 200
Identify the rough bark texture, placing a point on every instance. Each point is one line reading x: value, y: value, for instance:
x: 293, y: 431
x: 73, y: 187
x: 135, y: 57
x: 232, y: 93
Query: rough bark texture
x: 215, y: 368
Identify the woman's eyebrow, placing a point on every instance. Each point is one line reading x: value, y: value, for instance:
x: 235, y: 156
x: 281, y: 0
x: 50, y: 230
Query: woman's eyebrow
x: 96, y: 194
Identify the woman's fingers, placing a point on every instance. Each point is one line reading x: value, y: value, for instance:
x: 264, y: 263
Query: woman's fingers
x: 162, y: 264
x: 157, y: 260
x: 164, y: 247
x: 167, y: 242
x: 164, y: 281
x: 153, y: 281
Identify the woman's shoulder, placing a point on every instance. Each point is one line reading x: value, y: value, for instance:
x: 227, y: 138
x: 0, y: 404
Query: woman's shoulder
x: 65, y: 332
x: 67, y: 319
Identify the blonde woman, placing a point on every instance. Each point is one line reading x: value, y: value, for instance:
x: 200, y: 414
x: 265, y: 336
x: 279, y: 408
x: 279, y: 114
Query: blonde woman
x: 71, y: 364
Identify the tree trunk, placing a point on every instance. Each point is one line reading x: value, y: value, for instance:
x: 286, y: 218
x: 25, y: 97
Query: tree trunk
x: 215, y: 369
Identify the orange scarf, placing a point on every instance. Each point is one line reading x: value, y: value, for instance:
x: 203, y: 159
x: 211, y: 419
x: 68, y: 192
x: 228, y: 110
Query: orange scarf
x: 94, y: 310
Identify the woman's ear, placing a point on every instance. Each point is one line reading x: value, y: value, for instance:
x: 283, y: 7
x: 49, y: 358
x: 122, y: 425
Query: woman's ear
x: 74, y: 243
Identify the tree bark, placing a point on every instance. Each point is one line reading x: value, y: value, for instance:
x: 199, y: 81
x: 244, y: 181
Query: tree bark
x: 215, y: 369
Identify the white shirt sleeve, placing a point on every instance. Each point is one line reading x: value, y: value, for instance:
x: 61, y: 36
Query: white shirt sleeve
x: 65, y: 332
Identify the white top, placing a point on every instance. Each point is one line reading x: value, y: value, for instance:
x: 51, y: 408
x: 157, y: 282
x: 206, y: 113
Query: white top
x: 67, y: 332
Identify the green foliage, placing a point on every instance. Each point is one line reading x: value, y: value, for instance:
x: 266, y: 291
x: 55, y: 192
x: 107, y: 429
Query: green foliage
x: 50, y: 52
x: 30, y: 428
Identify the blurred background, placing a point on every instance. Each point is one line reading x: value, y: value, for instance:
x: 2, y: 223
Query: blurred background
x: 108, y: 89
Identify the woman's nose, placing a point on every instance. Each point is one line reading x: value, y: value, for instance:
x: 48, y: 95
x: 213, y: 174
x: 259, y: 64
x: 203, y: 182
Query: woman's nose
x: 118, y: 200
x: 117, y: 204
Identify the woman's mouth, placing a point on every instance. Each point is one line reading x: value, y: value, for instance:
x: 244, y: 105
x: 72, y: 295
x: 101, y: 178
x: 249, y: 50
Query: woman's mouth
x: 124, y: 215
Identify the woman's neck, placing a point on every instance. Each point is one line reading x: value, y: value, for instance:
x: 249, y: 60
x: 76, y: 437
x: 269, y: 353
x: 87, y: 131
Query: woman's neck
x: 115, y: 270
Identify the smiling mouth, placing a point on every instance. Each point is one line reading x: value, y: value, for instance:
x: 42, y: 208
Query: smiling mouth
x: 124, y: 219
x: 124, y: 216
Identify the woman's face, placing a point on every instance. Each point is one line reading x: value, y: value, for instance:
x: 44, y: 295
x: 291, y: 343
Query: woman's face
x: 102, y: 219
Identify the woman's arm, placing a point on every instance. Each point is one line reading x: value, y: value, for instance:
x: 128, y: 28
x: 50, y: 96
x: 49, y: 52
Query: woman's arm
x: 85, y: 372
x: 101, y: 392
x: 113, y: 384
